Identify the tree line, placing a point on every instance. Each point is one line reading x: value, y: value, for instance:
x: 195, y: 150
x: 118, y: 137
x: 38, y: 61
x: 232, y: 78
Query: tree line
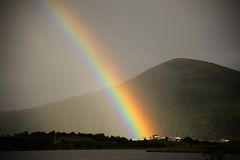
x: 62, y: 140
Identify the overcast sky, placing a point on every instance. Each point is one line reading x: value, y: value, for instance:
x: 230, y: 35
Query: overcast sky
x: 37, y: 66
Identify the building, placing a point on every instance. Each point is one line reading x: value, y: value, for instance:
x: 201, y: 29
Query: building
x: 155, y: 137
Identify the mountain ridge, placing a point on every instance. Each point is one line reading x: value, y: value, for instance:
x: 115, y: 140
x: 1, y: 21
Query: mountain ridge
x: 186, y: 98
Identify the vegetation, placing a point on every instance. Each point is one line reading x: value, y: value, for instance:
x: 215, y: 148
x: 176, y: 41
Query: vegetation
x: 60, y: 140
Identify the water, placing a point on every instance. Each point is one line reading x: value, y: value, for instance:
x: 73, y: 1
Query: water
x: 129, y: 154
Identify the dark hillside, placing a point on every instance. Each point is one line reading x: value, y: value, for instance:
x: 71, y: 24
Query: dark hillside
x: 186, y: 98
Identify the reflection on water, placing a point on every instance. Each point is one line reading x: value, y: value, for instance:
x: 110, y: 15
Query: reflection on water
x: 103, y: 155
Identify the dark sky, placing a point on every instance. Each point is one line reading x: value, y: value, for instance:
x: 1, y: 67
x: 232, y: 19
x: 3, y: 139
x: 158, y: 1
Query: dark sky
x: 37, y: 65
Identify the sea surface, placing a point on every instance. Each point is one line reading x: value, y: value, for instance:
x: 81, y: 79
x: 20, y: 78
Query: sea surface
x: 128, y: 154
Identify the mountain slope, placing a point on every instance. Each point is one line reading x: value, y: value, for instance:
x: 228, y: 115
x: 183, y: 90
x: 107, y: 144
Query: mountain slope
x: 185, y: 98
x: 193, y: 98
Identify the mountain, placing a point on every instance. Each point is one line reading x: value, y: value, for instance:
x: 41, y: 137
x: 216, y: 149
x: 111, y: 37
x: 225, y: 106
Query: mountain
x: 185, y: 97
x: 191, y: 97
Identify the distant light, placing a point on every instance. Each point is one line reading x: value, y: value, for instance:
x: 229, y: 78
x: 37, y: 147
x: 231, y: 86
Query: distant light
x: 225, y: 140
x: 134, y: 139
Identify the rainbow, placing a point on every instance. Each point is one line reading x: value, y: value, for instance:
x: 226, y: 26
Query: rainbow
x: 135, y: 120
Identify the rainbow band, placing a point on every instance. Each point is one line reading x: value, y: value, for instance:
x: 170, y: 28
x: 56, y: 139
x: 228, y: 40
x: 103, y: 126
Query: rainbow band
x: 135, y: 120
